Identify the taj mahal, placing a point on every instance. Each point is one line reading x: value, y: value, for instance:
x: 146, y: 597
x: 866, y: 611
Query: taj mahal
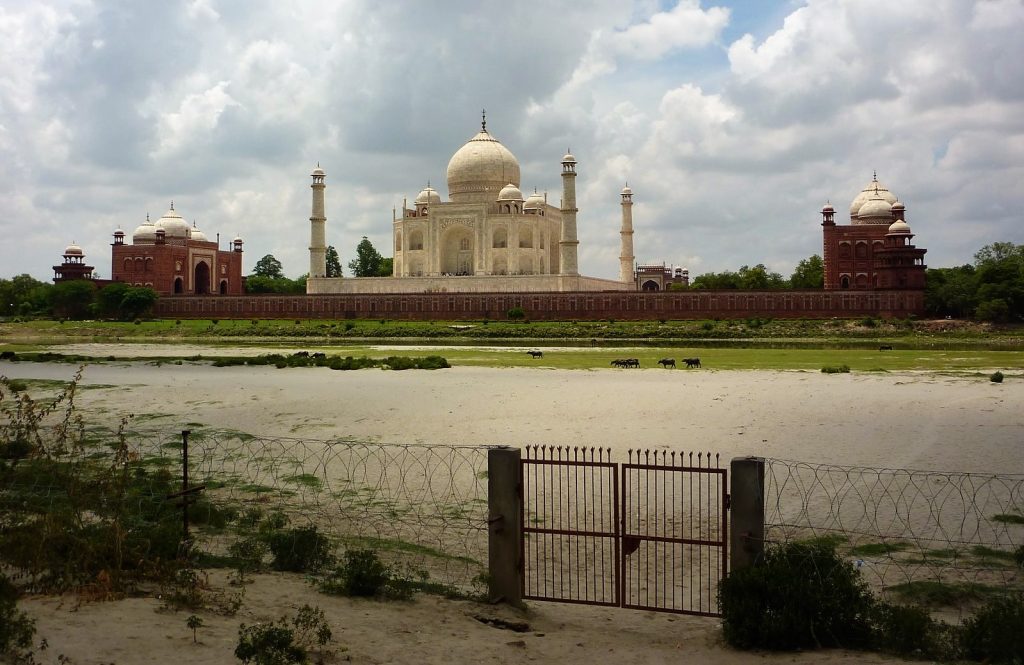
x: 486, y: 238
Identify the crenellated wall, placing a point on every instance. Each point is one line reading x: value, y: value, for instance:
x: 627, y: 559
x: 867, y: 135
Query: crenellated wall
x: 625, y: 305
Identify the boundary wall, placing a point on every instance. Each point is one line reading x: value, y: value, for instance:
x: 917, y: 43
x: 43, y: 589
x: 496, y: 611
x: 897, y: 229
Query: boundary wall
x: 583, y: 306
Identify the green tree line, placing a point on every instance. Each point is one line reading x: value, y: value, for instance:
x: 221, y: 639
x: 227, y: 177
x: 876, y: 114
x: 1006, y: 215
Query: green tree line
x: 990, y: 289
x: 23, y: 295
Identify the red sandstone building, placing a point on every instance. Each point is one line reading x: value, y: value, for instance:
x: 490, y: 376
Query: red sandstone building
x: 73, y: 266
x: 874, y: 251
x: 173, y: 258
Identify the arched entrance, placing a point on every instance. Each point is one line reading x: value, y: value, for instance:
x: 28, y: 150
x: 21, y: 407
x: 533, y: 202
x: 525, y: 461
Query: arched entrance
x: 202, y: 278
x: 457, y: 251
x: 650, y: 285
x: 179, y: 285
x: 223, y: 287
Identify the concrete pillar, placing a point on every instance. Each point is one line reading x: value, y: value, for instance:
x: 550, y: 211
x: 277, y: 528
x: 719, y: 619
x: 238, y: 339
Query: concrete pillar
x: 746, y: 511
x: 503, y: 526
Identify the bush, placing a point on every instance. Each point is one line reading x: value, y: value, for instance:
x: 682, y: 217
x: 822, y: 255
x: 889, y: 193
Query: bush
x: 16, y: 627
x: 911, y: 631
x: 996, y: 378
x: 841, y: 369
x: 996, y: 632
x: 363, y: 574
x: 516, y: 314
x: 300, y: 550
x: 798, y: 595
x: 284, y: 641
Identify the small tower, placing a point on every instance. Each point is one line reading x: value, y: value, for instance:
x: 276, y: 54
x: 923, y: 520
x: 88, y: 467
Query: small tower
x: 626, y: 257
x: 317, y: 221
x: 73, y: 267
x: 568, y: 243
x: 829, y: 244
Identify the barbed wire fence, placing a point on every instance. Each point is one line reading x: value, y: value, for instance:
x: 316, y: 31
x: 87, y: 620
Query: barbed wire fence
x: 946, y: 540
x: 421, y: 508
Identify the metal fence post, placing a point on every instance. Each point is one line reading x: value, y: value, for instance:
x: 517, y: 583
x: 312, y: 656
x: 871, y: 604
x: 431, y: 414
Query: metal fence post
x: 504, y: 480
x: 747, y: 511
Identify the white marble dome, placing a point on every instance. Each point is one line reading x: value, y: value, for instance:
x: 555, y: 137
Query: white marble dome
x: 428, y: 195
x: 870, y: 190
x: 534, y: 201
x: 73, y: 250
x: 173, y: 224
x: 510, y: 193
x: 480, y: 169
x: 900, y: 227
x: 197, y: 234
x: 145, y: 232
x: 875, y: 208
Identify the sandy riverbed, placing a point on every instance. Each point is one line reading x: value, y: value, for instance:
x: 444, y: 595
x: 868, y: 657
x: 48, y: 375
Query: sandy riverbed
x: 909, y: 420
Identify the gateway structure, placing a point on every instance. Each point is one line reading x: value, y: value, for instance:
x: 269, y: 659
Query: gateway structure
x: 486, y: 238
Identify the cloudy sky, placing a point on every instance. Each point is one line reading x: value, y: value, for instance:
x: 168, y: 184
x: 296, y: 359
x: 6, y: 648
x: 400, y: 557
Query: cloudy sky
x: 732, y: 121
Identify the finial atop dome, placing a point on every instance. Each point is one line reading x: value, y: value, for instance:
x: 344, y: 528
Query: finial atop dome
x: 172, y: 205
x: 483, y: 120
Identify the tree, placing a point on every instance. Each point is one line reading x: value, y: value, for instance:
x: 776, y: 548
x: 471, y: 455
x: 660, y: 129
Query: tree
x: 367, y: 262
x: 283, y: 285
x: 16, y: 294
x: 73, y: 299
x: 108, y: 300
x: 333, y: 262
x: 386, y: 267
x: 758, y: 277
x: 809, y: 274
x: 137, y: 300
x: 268, y: 266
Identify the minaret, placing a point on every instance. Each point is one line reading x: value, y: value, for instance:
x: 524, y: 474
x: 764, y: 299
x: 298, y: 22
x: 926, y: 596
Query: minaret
x: 626, y: 257
x: 568, y: 243
x: 317, y: 220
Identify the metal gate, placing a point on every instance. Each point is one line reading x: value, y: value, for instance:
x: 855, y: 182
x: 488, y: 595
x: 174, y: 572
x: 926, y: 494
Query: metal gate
x: 647, y: 534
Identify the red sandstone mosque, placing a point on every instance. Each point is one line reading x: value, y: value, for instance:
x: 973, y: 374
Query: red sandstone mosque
x: 872, y: 252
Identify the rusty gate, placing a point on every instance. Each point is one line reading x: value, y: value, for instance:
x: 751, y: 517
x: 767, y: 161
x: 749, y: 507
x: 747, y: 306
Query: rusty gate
x: 650, y: 533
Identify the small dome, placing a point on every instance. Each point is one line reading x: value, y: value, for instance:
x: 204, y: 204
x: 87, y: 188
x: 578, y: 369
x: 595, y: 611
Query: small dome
x: 317, y: 171
x: 898, y: 206
x: 900, y: 227
x: 119, y: 232
x: 73, y: 250
x: 568, y: 158
x: 875, y: 208
x: 144, y: 233
x: 626, y: 191
x: 534, y: 201
x: 197, y: 234
x: 428, y: 195
x: 828, y: 208
x: 238, y: 239
x: 510, y: 193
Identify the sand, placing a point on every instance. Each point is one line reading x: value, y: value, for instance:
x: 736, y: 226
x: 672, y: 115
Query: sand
x: 909, y: 420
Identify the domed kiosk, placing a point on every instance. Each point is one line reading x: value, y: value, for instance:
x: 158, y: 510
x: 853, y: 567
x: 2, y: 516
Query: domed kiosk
x: 486, y: 237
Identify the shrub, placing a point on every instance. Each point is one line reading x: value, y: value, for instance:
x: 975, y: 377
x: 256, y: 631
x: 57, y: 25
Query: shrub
x: 349, y: 326
x: 1018, y: 556
x: 284, y: 641
x: 248, y: 554
x: 300, y: 550
x: 996, y: 632
x: 841, y: 369
x: 868, y: 322
x: 911, y: 631
x: 16, y: 627
x: 515, y: 314
x: 363, y: 574
x: 996, y: 378
x: 798, y: 595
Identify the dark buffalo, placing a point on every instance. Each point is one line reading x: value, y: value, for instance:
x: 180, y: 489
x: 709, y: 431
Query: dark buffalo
x: 885, y: 347
x: 536, y: 354
x: 691, y: 362
x: 667, y: 362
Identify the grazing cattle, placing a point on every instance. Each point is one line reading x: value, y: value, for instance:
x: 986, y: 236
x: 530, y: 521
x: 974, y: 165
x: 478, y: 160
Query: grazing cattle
x: 667, y: 362
x: 8, y: 355
x: 632, y: 362
x: 885, y: 347
x: 536, y: 354
x: 318, y: 355
x: 301, y: 354
x: 618, y: 362
x: 691, y: 362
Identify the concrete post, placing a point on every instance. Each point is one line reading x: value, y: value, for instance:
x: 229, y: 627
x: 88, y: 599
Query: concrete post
x: 503, y: 526
x: 746, y: 511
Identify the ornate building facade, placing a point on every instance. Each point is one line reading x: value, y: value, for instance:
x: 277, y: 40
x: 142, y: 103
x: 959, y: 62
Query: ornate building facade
x: 874, y: 251
x: 174, y: 258
x: 487, y: 237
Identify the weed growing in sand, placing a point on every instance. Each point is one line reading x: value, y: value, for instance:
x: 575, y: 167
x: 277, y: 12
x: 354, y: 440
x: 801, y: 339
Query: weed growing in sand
x: 841, y: 369
x: 248, y: 554
x: 300, y: 550
x: 997, y: 377
x: 284, y: 641
x: 194, y: 623
x: 994, y: 633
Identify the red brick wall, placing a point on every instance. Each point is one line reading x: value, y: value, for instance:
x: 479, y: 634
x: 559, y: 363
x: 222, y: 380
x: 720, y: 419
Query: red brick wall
x: 155, y: 266
x: 552, y: 306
